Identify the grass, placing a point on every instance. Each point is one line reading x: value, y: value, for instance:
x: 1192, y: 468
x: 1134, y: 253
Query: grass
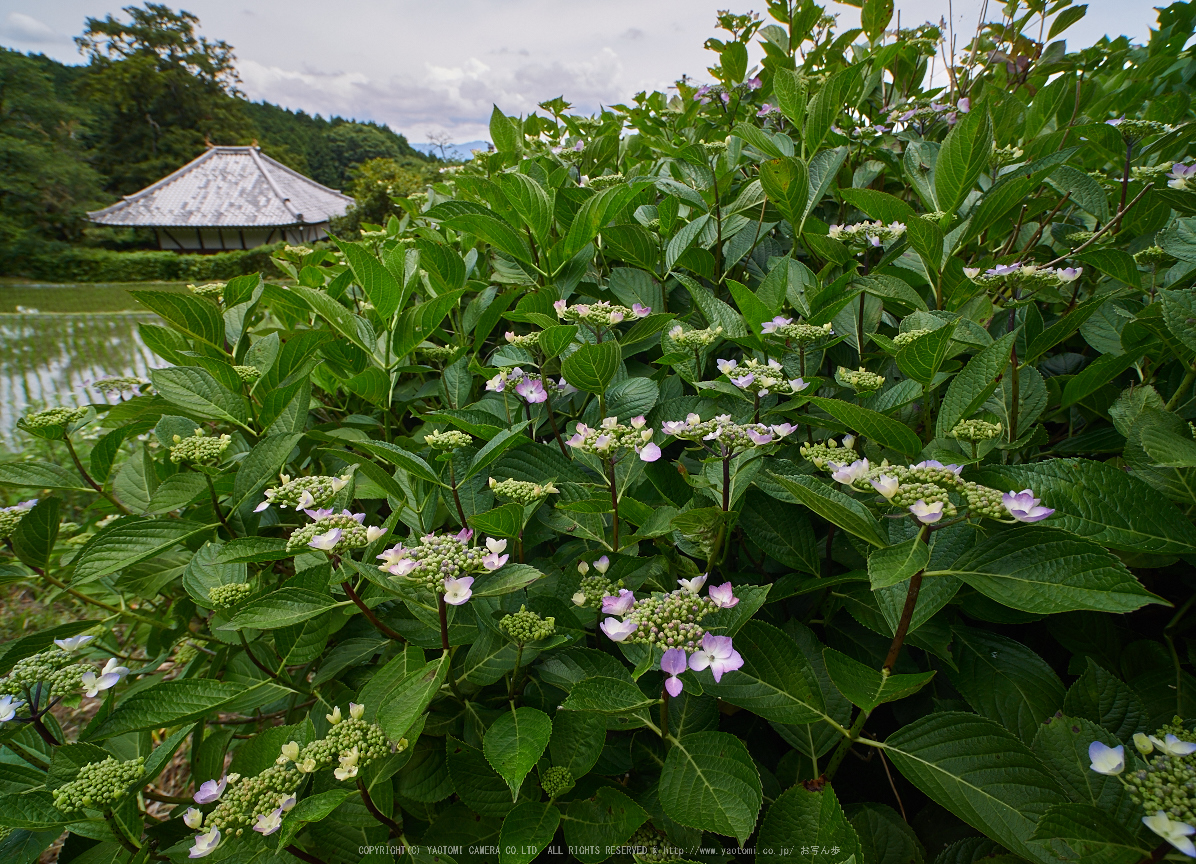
x: 76, y: 297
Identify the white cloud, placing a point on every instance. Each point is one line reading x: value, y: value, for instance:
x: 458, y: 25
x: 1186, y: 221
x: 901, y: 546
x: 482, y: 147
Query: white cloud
x: 25, y: 28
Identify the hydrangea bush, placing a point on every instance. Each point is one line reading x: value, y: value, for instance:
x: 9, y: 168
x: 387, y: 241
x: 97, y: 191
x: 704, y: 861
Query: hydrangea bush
x: 796, y: 464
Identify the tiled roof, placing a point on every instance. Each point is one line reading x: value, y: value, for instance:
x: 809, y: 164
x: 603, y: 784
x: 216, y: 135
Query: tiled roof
x: 228, y: 187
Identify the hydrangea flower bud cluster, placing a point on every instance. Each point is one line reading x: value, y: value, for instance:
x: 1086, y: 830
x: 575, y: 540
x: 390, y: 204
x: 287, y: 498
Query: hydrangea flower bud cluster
x: 652, y: 847
x: 604, y: 181
x: 1165, y: 787
x: 441, y: 562
x: 694, y: 340
x: 1151, y: 173
x: 1136, y: 130
x: 528, y: 341
x: 526, y: 626
x: 99, y: 785
x: 599, y: 314
x: 118, y: 384
x: 1026, y: 276
x: 975, y: 431
x: 863, y: 235
x: 248, y: 374
x: 303, y: 492
x: 592, y: 589
x: 10, y: 517
x: 52, y: 417
x: 449, y: 439
x: 209, y: 290
x: 56, y: 670
x: 522, y: 491
x: 334, y: 533
x: 672, y: 620
x: 728, y: 436
x: 556, y: 781
x: 1152, y: 256
x: 229, y: 594
x: 1010, y: 155
x: 351, y: 744
x: 437, y: 353
x: 925, y: 489
x: 186, y: 652
x: 801, y: 333
x: 859, y: 380
x: 823, y: 452
x: 761, y: 378
x: 199, y: 448
x: 532, y: 386
x: 613, y: 439
x: 903, y: 339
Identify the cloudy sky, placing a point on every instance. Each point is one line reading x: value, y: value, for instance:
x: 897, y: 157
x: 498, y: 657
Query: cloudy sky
x: 426, y: 66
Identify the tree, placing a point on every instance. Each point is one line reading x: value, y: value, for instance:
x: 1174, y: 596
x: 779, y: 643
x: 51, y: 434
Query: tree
x: 374, y: 183
x: 165, y: 93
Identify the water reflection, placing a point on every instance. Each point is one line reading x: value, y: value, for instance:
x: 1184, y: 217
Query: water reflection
x: 50, y: 359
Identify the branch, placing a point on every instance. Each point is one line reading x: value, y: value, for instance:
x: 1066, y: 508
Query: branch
x: 1112, y: 223
x: 370, y: 616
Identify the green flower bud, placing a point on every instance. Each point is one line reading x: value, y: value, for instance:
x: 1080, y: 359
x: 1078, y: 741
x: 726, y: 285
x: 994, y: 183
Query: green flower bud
x: 524, y: 626
x: 450, y: 439
x: 199, y: 448
x: 556, y: 781
x: 230, y: 594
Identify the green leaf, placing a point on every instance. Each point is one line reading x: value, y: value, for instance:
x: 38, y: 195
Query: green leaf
x: 591, y: 825
x: 1065, y: 19
x: 1061, y: 329
x: 503, y: 132
x: 493, y: 449
x: 486, y: 226
x: 530, y: 201
x: 34, y: 811
x: 680, y: 242
x: 592, y: 367
x: 832, y: 505
x: 511, y: 577
x: 922, y: 358
x: 281, y: 608
x: 776, y: 681
x: 515, y: 742
x: 1046, y: 570
x: 1087, y: 830
x: 872, y: 424
x: 898, y: 563
x: 1103, y: 698
x: 35, y: 643
x: 409, y: 462
x: 503, y: 521
x: 970, y: 389
x: 353, y: 327
x: 978, y: 771
x: 167, y: 703
x: 787, y: 185
x: 33, y: 541
x: 40, y: 475
x: 253, y: 550
x: 875, y: 17
x: 176, y: 492
x: 1113, y: 262
x: 554, y: 340
x: 964, y: 154
x: 1005, y: 681
x: 1100, y: 501
x: 193, y: 316
x: 800, y: 818
x: 131, y: 541
x: 781, y: 530
x: 1062, y: 743
x: 606, y: 696
x: 261, y: 467
x: 526, y: 831
x: 710, y: 782
x: 475, y: 781
x: 577, y: 740
x: 826, y: 106
x: 195, y: 391
x: 381, y: 287
x: 402, y: 706
x: 867, y: 687
x: 1096, y: 375
x: 313, y: 808
x: 416, y: 325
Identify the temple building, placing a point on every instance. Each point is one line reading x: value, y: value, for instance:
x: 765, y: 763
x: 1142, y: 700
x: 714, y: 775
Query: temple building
x: 229, y: 198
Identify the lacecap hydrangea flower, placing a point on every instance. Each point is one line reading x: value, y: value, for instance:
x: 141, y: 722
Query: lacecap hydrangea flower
x: 761, y: 379
x: 727, y: 436
x: 303, y: 492
x: 612, y: 439
x: 442, y: 563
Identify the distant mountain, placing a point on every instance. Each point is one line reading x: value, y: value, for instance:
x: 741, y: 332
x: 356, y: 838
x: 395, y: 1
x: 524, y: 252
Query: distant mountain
x: 453, y: 152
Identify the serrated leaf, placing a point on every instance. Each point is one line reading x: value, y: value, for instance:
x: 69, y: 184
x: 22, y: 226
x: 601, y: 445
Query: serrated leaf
x: 710, y: 782
x: 131, y: 541
x: 964, y: 154
x: 800, y: 818
x: 526, y: 831
x: 980, y: 772
x: 776, y: 681
x: 402, y: 706
x: 922, y: 358
x: 977, y: 381
x: 167, y: 703
x: 872, y: 424
x: 510, y: 577
x: 515, y: 742
x: 898, y: 563
x: 1046, y: 570
x: 592, y: 824
x: 832, y: 505
x: 40, y: 475
x: 281, y: 608
x: 606, y: 696
x: 592, y: 367
x: 867, y: 687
